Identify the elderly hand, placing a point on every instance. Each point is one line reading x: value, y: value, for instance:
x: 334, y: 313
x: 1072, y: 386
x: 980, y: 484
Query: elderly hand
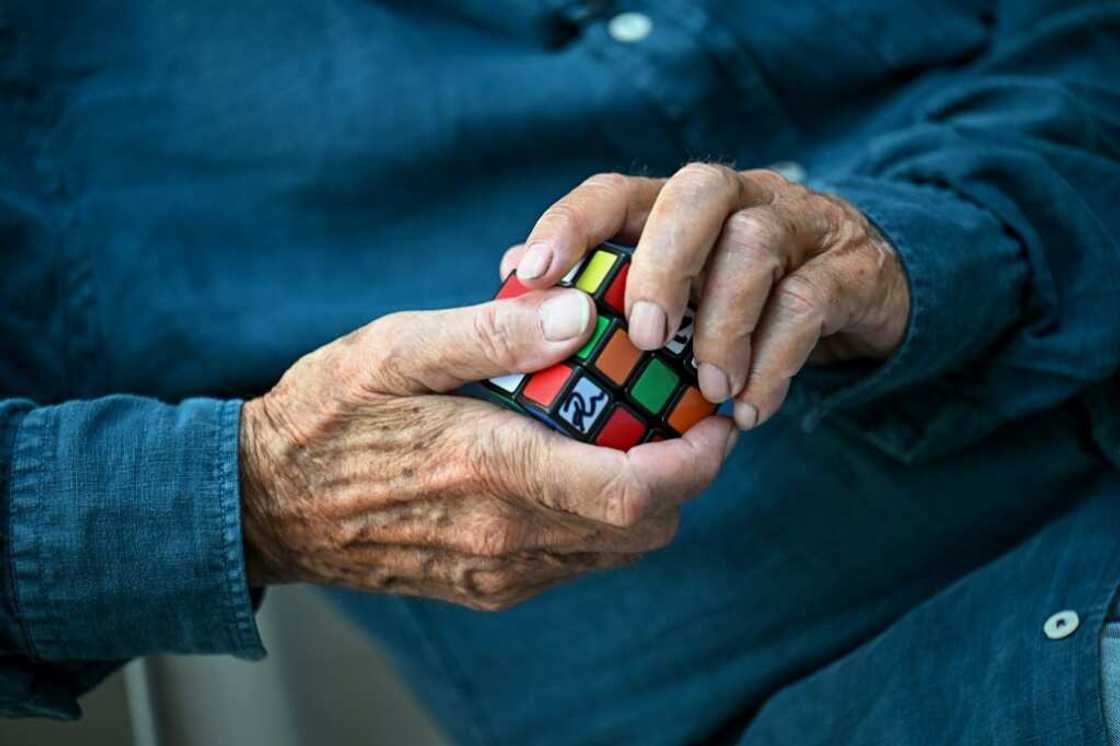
x: 356, y: 471
x: 783, y: 275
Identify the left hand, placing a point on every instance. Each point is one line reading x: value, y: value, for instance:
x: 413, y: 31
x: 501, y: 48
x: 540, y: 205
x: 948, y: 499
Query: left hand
x: 783, y: 275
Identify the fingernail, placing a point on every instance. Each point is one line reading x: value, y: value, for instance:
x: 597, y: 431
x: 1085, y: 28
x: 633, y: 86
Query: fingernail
x: 535, y: 261
x: 732, y: 439
x: 714, y: 383
x: 565, y: 315
x: 504, y: 268
x: 746, y: 416
x: 647, y: 325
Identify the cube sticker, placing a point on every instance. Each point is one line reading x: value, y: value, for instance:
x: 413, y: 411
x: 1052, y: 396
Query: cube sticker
x: 655, y: 385
x: 680, y: 340
x: 570, y: 276
x: 511, y: 288
x: 622, y: 431
x: 584, y: 405
x: 598, y: 267
x: 601, y: 325
x: 615, y: 294
x: 689, y: 409
x: 618, y: 358
x: 508, y: 383
x: 543, y: 387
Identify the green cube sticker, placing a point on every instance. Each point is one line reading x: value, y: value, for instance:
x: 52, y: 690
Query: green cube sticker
x: 654, y: 386
x: 601, y: 325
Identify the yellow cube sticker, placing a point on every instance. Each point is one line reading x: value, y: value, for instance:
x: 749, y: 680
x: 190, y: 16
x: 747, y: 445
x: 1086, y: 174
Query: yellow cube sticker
x: 596, y: 271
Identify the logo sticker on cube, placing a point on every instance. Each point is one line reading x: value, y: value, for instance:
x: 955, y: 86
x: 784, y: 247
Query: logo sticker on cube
x: 584, y: 405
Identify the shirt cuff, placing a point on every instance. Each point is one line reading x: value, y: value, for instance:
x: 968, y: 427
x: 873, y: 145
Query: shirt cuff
x: 967, y: 278
x: 125, y: 530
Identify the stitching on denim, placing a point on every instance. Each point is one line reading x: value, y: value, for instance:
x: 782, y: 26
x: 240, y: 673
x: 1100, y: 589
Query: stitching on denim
x: 236, y: 594
x: 27, y: 449
x: 9, y: 430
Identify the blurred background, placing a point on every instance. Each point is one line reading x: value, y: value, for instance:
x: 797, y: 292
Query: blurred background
x: 323, y: 683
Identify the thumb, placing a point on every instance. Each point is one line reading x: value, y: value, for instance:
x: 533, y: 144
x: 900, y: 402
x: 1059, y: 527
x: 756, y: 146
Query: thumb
x: 435, y: 351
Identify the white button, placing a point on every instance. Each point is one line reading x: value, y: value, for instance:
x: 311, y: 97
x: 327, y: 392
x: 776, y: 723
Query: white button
x: 629, y: 27
x: 792, y: 171
x: 1061, y: 625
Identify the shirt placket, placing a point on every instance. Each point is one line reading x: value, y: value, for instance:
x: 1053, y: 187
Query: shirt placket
x: 702, y: 81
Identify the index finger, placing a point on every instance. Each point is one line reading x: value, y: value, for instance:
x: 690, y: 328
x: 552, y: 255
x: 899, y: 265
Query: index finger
x: 603, y: 207
x: 604, y: 485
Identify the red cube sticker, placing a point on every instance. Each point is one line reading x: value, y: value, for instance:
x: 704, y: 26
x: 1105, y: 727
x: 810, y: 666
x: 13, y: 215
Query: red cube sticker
x: 623, y: 430
x: 615, y: 297
x: 543, y: 387
x: 511, y: 288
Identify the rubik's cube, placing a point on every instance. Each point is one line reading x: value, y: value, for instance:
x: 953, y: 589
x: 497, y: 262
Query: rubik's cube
x: 609, y: 393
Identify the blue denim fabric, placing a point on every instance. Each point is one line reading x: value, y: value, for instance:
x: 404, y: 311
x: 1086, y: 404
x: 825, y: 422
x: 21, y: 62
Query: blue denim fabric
x: 194, y: 194
x: 1110, y: 675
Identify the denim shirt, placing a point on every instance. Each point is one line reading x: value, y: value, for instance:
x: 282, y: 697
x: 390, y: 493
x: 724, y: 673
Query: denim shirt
x: 193, y: 195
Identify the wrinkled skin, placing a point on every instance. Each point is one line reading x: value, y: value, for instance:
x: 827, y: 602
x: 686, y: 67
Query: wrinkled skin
x: 782, y: 275
x: 358, y: 470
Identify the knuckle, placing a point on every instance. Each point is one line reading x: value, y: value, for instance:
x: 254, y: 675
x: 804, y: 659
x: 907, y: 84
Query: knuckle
x: 752, y: 230
x: 565, y: 212
x: 799, y: 297
x: 504, y: 460
x: 774, y: 181
x: 496, y: 538
x: 756, y: 237
x: 495, y: 585
x: 628, y: 501
x: 396, y: 361
x: 700, y: 180
x: 496, y: 335
x: 609, y: 181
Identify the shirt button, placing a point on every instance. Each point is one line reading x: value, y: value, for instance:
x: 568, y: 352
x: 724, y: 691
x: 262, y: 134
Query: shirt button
x: 1061, y: 625
x: 629, y: 27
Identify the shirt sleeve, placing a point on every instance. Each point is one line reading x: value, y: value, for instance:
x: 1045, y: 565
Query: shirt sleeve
x: 120, y: 530
x: 1000, y: 197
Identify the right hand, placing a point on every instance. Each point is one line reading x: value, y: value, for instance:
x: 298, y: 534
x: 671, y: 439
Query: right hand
x: 356, y: 471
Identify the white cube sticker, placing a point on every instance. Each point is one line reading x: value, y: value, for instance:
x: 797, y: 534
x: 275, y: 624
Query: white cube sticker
x: 508, y: 383
x: 683, y: 336
x: 570, y: 277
